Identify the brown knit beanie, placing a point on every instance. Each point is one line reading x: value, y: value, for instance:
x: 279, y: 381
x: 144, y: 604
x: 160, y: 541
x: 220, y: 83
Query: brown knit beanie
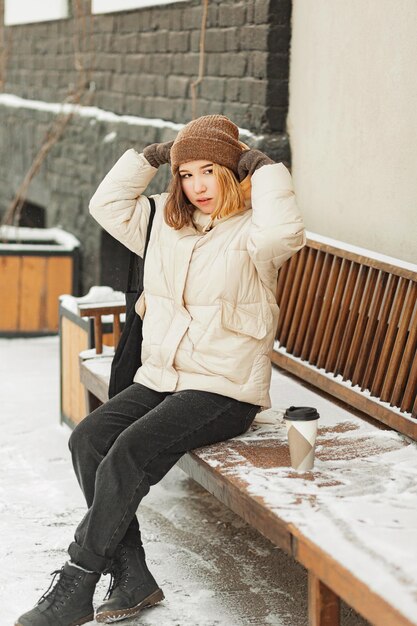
x: 211, y: 137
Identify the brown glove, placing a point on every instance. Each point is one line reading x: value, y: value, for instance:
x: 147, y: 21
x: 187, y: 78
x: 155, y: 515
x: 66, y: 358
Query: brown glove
x: 158, y: 153
x: 250, y: 161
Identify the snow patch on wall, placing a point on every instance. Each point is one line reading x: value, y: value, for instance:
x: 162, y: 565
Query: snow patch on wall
x: 96, y: 114
x: 110, y: 137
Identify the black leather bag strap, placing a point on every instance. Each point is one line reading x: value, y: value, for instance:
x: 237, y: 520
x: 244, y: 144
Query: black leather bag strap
x: 133, y: 260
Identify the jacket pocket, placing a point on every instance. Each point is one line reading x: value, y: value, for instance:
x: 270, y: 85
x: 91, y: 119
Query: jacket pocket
x: 244, y: 319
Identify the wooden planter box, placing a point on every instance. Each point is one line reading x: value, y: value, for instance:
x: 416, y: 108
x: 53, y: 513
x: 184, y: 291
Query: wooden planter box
x: 36, y: 266
x: 76, y: 334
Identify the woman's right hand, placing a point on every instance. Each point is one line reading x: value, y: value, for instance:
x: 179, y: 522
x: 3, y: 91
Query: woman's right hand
x: 158, y: 153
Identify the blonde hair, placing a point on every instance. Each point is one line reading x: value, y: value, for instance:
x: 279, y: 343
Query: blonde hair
x: 178, y: 210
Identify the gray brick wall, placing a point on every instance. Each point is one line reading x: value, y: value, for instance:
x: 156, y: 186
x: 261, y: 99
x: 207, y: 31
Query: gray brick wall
x: 145, y: 61
x: 144, y: 64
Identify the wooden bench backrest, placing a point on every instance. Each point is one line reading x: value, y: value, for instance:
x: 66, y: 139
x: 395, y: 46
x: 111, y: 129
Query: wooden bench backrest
x: 348, y: 324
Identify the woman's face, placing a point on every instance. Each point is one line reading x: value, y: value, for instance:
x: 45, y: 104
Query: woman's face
x: 199, y: 184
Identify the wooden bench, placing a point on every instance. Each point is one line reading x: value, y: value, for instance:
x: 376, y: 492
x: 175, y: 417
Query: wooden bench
x: 76, y: 334
x: 347, y: 328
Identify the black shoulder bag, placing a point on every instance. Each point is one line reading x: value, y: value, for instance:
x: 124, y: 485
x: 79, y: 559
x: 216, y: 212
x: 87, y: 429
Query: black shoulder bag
x: 127, y: 357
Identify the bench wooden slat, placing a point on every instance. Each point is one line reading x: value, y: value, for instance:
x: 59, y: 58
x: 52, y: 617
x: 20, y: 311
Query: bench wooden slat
x: 359, y: 326
x: 320, y: 328
x: 98, y: 334
x: 315, y: 329
x: 365, y: 352
x: 117, y: 330
x: 410, y: 392
x: 397, y: 356
x: 301, y: 299
x: 382, y: 371
x: 307, y: 306
x: 291, y: 294
x: 335, y: 298
x: 381, y: 330
x: 335, y: 341
x: 347, y: 331
x: 285, y: 279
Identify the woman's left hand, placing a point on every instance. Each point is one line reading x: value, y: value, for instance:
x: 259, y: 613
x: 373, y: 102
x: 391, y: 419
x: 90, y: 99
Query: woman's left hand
x: 250, y: 161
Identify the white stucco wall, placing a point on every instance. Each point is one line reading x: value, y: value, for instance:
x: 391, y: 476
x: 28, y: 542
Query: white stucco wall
x: 353, y: 121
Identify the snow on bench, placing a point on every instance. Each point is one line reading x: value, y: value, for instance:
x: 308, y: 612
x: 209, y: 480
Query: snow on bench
x: 351, y: 521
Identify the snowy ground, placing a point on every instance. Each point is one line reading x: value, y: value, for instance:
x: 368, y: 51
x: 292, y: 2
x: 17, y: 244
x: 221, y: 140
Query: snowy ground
x: 214, y: 569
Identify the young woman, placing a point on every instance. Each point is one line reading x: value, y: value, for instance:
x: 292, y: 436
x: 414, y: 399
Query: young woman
x: 227, y: 223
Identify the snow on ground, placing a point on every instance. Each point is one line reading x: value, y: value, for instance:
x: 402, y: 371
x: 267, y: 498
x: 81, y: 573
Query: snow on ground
x: 214, y: 569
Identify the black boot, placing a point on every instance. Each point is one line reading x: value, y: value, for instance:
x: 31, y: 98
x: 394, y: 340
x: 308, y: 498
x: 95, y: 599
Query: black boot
x: 67, y: 603
x: 132, y: 586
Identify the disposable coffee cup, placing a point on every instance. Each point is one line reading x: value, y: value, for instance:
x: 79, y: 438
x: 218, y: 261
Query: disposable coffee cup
x: 301, y: 423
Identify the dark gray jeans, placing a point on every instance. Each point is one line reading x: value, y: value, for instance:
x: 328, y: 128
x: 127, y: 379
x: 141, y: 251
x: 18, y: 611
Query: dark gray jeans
x: 129, y: 444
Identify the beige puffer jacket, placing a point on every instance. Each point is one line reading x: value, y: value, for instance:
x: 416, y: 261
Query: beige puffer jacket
x: 209, y: 294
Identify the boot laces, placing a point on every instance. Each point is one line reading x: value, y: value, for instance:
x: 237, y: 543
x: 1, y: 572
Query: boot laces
x: 62, y: 588
x: 118, y: 572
